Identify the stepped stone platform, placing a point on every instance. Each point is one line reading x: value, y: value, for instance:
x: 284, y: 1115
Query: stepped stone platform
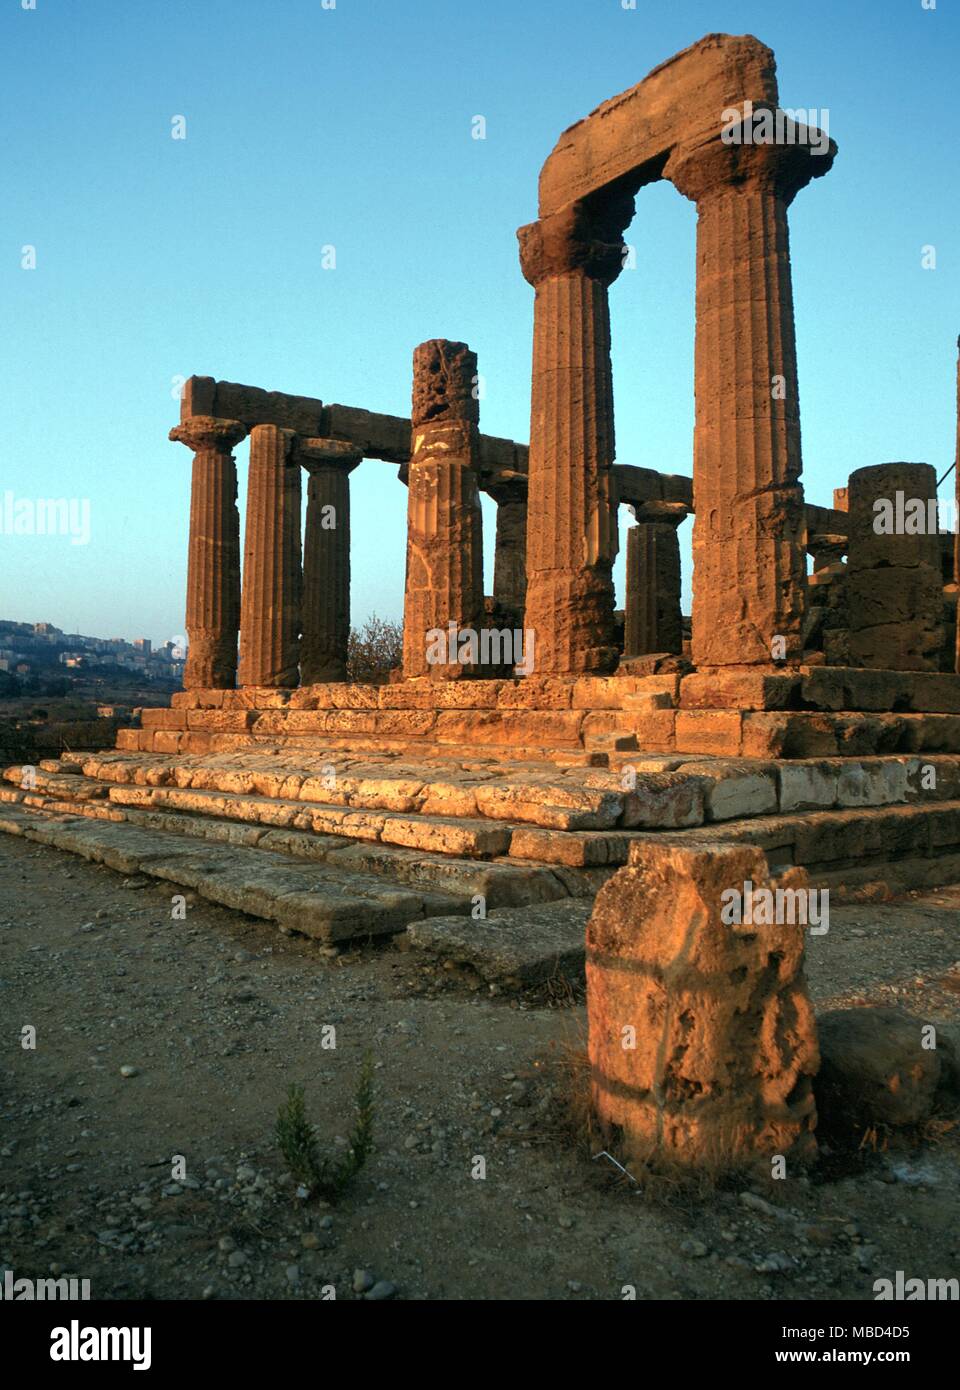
x: 810, y: 711
x: 490, y: 859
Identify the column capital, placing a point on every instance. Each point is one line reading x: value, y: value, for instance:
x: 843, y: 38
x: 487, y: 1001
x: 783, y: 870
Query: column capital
x: 317, y: 454
x: 584, y: 237
x: 671, y: 513
x: 207, y: 432
x: 827, y: 550
x: 506, y: 485
x: 782, y: 167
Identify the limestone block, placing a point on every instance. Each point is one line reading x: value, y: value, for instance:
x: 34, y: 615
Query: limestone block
x: 733, y: 788
x: 808, y: 786
x: 665, y: 800
x: 709, y: 731
x: 733, y: 689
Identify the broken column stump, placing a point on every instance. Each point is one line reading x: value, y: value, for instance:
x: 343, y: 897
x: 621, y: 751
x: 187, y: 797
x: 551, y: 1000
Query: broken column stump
x: 702, y: 1037
x: 444, y: 583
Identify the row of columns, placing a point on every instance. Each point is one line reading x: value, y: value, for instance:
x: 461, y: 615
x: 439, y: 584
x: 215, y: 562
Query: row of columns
x: 292, y: 616
x: 748, y: 540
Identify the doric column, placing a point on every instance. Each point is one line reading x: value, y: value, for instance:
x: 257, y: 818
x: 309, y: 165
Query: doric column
x: 213, y: 559
x: 894, y: 581
x: 509, y: 490
x: 270, y: 608
x: 652, y: 617
x: 326, y: 558
x: 749, y: 574
x: 571, y: 258
x: 444, y: 528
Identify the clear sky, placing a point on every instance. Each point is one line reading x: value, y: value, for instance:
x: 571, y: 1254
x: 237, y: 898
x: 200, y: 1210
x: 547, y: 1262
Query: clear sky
x: 351, y: 127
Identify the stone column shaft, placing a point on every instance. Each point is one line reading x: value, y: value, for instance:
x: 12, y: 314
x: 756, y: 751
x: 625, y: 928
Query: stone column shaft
x: 652, y: 617
x: 272, y: 584
x: 510, y: 550
x: 444, y: 581
x: 571, y: 259
x: 749, y: 575
x: 326, y: 559
x: 213, y: 559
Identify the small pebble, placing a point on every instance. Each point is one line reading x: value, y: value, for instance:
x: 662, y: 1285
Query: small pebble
x: 382, y: 1289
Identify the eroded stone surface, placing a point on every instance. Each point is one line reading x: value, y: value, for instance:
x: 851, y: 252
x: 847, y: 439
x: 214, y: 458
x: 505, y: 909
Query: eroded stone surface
x: 444, y: 582
x: 701, y: 1034
x: 894, y: 587
x: 883, y: 1066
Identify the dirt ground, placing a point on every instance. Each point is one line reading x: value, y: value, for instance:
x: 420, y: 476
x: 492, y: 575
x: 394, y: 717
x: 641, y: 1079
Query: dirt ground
x: 218, y: 1014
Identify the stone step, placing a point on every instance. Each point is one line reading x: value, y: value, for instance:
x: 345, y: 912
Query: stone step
x: 769, y: 713
x: 896, y: 847
x: 498, y: 881
x: 570, y: 851
x: 828, y: 843
x: 329, y: 903
x: 838, y: 688
x: 826, y: 688
x: 512, y: 947
x: 533, y: 693
x: 660, y: 792
x: 52, y: 779
x: 794, y: 733
x: 463, y: 837
x: 185, y: 744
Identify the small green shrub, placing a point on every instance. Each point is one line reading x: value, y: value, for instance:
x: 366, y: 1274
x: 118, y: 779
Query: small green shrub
x: 297, y: 1141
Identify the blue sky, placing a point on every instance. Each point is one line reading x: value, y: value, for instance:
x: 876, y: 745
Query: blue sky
x: 309, y: 127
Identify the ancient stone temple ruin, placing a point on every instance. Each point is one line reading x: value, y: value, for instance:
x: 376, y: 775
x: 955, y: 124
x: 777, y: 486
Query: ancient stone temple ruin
x: 806, y: 731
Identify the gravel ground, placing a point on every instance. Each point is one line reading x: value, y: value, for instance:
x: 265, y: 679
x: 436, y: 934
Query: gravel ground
x: 217, y: 1014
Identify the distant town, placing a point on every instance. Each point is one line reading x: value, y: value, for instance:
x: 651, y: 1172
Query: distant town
x: 63, y: 690
x: 32, y: 655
